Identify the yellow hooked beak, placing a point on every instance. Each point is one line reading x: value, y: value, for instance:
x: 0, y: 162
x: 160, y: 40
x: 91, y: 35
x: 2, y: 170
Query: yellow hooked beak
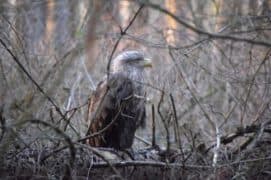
x: 147, y: 62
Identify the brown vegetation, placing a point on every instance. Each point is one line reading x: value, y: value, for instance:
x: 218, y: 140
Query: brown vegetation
x: 208, y: 111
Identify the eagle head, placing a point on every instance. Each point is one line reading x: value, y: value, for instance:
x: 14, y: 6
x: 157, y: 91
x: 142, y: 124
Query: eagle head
x: 131, y: 63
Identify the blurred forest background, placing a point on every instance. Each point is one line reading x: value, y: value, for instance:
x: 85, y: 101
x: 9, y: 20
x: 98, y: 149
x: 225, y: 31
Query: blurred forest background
x: 209, y: 88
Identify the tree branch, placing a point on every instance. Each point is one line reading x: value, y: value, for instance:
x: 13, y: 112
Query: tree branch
x: 201, y: 31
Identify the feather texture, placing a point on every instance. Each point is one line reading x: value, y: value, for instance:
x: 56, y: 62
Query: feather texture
x: 117, y: 108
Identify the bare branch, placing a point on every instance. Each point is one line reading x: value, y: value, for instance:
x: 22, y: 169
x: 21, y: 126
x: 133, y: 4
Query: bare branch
x: 34, y: 82
x: 122, y: 33
x: 200, y: 31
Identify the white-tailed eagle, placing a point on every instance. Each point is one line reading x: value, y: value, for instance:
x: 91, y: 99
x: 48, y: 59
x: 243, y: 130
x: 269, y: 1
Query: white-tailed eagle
x: 117, y: 107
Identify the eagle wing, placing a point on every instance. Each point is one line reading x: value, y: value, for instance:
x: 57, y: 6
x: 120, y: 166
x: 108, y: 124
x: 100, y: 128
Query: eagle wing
x: 95, y: 109
x: 116, y: 108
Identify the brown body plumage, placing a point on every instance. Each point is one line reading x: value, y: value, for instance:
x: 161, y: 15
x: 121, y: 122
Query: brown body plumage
x: 117, y: 107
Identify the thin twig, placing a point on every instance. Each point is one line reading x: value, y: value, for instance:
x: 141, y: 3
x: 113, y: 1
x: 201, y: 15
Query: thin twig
x: 122, y: 33
x: 251, y: 84
x: 149, y: 163
x: 108, y: 163
x: 142, y: 140
x: 104, y: 129
x: 164, y: 121
x: 34, y: 82
x: 3, y: 124
x: 153, y: 127
x: 93, y: 135
x: 216, y: 151
x: 58, y: 131
x: 180, y: 73
x: 177, y: 132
